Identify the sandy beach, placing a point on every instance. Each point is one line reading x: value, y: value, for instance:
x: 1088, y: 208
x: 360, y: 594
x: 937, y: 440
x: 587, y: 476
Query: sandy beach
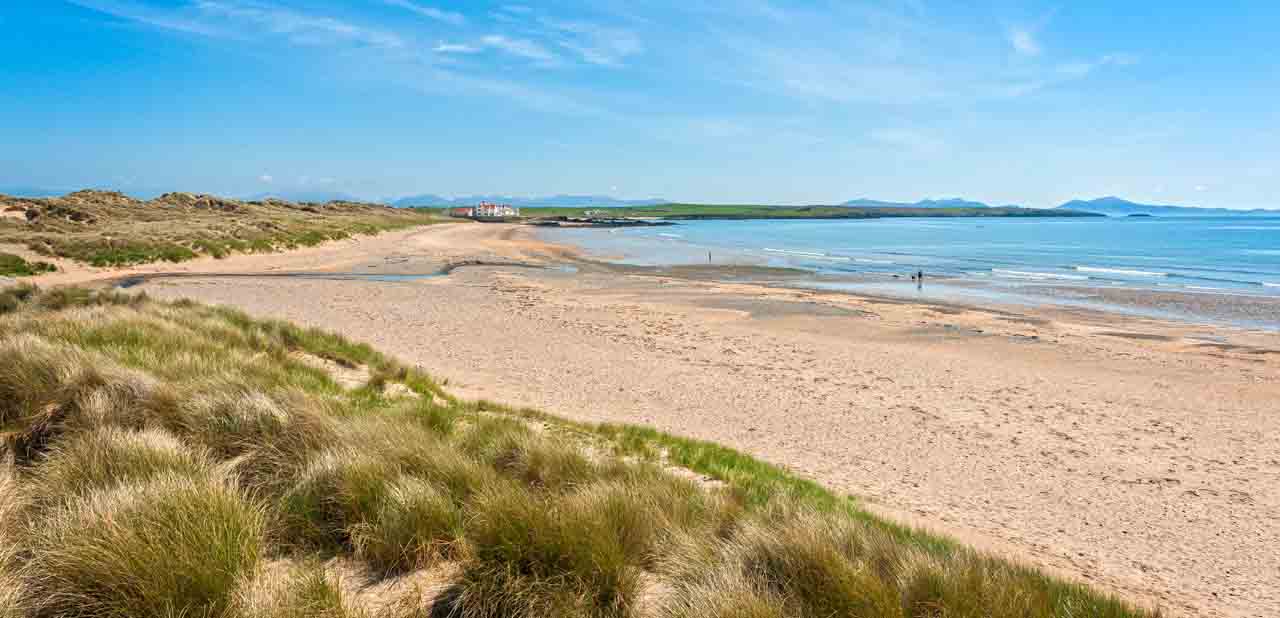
x: 1137, y: 455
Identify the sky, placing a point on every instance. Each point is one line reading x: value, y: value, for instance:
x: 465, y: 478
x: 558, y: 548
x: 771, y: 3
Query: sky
x: 746, y: 101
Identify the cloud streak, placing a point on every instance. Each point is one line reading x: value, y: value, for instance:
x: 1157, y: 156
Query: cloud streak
x: 836, y: 54
x: 1024, y: 41
x: 448, y: 17
x: 522, y: 48
x: 455, y: 48
x: 596, y: 44
x: 149, y: 16
x: 300, y: 27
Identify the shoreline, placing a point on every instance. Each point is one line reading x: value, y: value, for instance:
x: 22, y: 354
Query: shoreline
x: 1219, y: 307
x: 1125, y: 452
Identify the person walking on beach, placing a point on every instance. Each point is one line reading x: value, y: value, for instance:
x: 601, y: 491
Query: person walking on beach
x: 920, y: 280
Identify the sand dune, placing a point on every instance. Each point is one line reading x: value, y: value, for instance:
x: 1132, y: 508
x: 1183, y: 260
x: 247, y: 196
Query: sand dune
x: 1136, y: 455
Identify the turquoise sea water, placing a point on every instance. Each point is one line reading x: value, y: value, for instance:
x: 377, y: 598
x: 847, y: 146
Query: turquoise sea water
x: 1236, y: 256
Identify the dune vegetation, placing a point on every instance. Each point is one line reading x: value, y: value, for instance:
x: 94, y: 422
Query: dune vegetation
x: 110, y: 229
x: 14, y: 266
x: 174, y: 459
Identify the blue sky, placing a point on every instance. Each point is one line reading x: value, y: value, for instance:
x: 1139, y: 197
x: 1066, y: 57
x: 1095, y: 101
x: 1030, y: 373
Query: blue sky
x: 816, y: 102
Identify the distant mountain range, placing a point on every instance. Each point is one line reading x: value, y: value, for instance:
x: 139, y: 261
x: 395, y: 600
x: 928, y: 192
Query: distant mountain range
x: 31, y: 192
x: 567, y: 201
x: 304, y: 196
x: 954, y: 202
x: 1113, y: 206
x: 1118, y: 207
x: 145, y: 193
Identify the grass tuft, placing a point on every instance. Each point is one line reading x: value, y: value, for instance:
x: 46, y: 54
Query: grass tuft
x: 285, y: 590
x: 171, y: 546
x: 337, y: 490
x: 537, y: 557
x: 414, y: 527
x: 101, y: 459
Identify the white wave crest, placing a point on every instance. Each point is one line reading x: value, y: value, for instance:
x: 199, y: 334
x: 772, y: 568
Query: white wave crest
x: 1022, y: 274
x: 1120, y: 271
x: 800, y: 253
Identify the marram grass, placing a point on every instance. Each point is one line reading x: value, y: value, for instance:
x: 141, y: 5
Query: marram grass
x: 178, y: 460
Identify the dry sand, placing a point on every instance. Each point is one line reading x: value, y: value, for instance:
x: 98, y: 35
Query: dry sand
x: 1142, y: 457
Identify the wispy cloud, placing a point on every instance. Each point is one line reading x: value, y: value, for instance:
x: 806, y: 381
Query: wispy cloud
x: 894, y: 54
x: 1023, y: 40
x: 164, y: 20
x: 454, y: 48
x: 269, y: 24
x: 448, y: 17
x: 882, y: 55
x: 439, y: 81
x: 300, y: 27
x: 523, y: 48
x: 595, y: 43
x: 913, y: 140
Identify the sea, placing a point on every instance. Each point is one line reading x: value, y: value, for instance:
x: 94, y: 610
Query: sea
x: 1214, y: 269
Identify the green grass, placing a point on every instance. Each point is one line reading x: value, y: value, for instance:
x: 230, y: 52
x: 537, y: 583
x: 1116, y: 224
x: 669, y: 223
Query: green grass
x: 301, y: 590
x: 103, y: 458
x: 169, y: 459
x: 169, y: 546
x: 108, y: 229
x: 14, y: 266
x: 414, y: 525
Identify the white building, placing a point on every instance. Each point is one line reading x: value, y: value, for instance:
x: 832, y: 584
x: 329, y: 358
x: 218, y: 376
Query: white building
x: 495, y: 211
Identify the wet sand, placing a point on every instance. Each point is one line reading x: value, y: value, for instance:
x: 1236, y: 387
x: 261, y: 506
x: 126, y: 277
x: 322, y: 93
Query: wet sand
x: 1137, y: 455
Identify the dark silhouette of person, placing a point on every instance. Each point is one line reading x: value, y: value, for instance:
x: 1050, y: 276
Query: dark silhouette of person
x: 920, y: 280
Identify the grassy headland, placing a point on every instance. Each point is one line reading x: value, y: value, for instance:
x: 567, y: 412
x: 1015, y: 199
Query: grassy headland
x: 166, y: 459
x: 678, y: 212
x: 110, y: 229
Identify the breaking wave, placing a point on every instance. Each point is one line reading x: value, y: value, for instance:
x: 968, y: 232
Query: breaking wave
x: 1120, y: 271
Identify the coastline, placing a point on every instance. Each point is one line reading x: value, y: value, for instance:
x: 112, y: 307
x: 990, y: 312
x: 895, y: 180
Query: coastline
x: 1249, y: 307
x: 1126, y: 452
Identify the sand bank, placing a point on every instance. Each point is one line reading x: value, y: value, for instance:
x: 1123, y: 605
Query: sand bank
x: 1137, y: 455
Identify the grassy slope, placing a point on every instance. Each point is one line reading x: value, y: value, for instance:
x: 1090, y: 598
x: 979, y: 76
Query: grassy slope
x: 110, y: 229
x: 178, y: 459
x: 747, y: 211
x: 14, y: 266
